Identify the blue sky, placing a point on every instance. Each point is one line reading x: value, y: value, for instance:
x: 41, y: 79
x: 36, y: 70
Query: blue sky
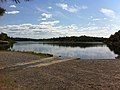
x: 57, y: 18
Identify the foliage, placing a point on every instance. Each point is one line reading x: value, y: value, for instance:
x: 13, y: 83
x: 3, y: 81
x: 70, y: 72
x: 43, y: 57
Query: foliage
x: 72, y: 39
x: 114, y: 42
x: 2, y: 11
x: 4, y: 37
x: 114, y: 39
x: 5, y: 41
x: 24, y: 39
x: 75, y: 39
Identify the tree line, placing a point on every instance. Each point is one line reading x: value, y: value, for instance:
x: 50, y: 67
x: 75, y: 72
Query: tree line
x: 76, y: 39
x: 66, y: 39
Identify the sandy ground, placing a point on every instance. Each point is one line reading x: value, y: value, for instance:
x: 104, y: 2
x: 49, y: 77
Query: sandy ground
x: 52, y: 74
x: 8, y: 58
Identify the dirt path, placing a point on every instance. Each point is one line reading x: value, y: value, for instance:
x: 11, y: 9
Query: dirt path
x: 35, y: 63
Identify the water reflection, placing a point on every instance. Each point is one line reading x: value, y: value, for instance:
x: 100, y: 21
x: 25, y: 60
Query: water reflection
x: 78, y: 44
x: 115, y: 49
x: 81, y: 50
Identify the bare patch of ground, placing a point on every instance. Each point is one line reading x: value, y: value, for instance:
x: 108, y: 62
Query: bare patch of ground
x: 8, y: 58
x: 68, y: 74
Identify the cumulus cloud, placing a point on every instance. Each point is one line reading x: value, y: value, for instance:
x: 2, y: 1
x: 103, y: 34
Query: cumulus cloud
x: 99, y: 31
x: 12, y: 6
x: 108, y: 12
x: 12, y: 12
x: 42, y: 30
x: 46, y: 15
x: 48, y: 29
x: 43, y: 19
x: 51, y: 29
x: 72, y: 9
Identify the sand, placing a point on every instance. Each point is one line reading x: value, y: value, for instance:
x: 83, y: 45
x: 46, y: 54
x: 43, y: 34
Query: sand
x: 53, y: 74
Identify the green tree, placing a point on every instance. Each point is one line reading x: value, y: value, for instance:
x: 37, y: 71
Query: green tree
x: 2, y: 11
x: 3, y: 36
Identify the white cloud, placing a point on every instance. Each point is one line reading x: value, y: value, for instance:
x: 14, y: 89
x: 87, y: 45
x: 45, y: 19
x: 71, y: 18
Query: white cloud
x: 52, y: 23
x: 42, y: 30
x: 39, y: 10
x: 12, y: 6
x: 72, y: 9
x: 52, y: 29
x: 67, y: 8
x: 108, y: 12
x: 12, y: 12
x: 104, y: 18
x: 49, y: 7
x: 96, y: 19
x: 81, y: 7
x: 69, y: 30
x: 46, y: 15
x: 99, y: 31
x: 43, y: 19
x: 91, y: 17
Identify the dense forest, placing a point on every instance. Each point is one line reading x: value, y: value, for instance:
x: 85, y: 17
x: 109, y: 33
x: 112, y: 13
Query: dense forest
x: 71, y: 39
x: 25, y: 39
x: 75, y: 39
x: 114, y: 42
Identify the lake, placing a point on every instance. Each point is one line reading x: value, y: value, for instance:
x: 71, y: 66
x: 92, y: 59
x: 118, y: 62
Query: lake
x: 91, y: 50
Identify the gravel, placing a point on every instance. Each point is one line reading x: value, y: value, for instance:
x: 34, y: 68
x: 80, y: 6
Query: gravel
x: 68, y: 75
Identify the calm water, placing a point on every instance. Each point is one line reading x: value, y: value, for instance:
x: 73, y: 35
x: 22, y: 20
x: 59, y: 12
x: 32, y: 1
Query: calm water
x: 81, y: 50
